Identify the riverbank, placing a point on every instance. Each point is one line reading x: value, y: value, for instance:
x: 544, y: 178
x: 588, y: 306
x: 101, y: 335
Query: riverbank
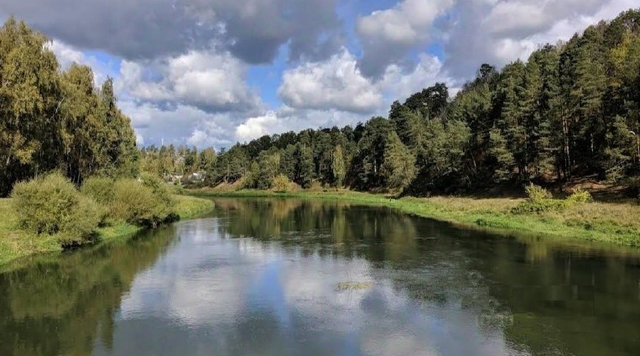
x: 16, y: 243
x: 616, y: 223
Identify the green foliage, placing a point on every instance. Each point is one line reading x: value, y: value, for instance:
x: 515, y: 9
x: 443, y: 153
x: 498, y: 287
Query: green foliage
x: 100, y: 189
x: 571, y: 110
x: 53, y: 120
x: 51, y: 205
x: 537, y: 193
x: 144, y: 202
x: 580, y: 196
x: 399, y: 163
x: 159, y: 188
x: 338, y: 166
x: 541, y: 201
x: 136, y: 203
x: 281, y: 184
x: 303, y: 171
x: 539, y: 206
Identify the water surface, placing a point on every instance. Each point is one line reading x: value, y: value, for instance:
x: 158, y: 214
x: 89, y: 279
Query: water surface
x: 290, y: 277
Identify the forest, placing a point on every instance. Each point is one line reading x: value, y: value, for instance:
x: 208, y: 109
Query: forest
x: 570, y: 111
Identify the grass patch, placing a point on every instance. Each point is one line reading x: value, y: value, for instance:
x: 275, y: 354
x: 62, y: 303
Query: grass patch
x: 188, y: 207
x: 589, y: 221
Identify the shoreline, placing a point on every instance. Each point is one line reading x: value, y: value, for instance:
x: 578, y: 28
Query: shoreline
x: 16, y: 244
x: 592, y: 222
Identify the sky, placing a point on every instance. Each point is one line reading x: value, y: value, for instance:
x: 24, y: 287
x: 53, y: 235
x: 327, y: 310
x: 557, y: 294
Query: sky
x: 216, y: 72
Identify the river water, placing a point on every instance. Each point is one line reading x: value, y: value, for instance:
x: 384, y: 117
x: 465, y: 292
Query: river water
x: 290, y: 277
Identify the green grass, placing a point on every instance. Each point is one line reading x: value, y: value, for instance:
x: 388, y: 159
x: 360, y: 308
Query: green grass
x: 616, y: 223
x: 16, y: 243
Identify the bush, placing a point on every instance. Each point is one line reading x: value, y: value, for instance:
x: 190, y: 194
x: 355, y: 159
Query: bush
x: 537, y: 194
x: 145, y: 202
x: 580, y: 196
x: 540, y: 201
x: 281, y: 184
x: 159, y: 188
x: 99, y: 189
x: 136, y: 203
x: 82, y: 223
x: 51, y: 205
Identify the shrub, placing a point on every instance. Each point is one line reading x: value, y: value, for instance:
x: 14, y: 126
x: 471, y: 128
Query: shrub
x: 136, y: 203
x: 537, y: 193
x: 144, y: 202
x: 99, y: 189
x: 52, y: 205
x: 281, y: 184
x: 580, y: 196
x: 159, y: 188
x: 540, y: 201
x: 315, y: 186
x: 82, y: 223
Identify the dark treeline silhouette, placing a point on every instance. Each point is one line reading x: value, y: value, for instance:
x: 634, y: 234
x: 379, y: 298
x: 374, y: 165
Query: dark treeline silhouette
x: 572, y: 110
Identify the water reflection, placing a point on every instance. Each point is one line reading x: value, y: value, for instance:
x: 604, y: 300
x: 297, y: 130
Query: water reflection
x: 64, y: 305
x: 263, y: 277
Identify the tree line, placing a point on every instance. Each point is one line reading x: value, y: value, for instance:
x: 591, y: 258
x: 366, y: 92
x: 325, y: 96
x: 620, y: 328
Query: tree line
x: 56, y: 120
x: 571, y: 110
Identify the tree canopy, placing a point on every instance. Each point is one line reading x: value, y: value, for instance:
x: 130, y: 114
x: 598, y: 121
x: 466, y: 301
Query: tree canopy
x: 56, y: 120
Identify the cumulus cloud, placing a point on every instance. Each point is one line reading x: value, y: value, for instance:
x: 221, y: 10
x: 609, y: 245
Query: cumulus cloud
x: 253, y: 30
x: 181, y: 124
x: 182, y: 68
x: 497, y: 32
x: 387, y: 35
x: 336, y: 83
x: 399, y: 84
x: 68, y: 55
x: 255, y: 127
x: 209, y: 80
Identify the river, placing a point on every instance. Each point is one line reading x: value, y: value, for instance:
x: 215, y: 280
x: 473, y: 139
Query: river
x: 291, y: 277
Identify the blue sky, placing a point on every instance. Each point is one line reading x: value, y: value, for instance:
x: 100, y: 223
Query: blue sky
x: 215, y: 72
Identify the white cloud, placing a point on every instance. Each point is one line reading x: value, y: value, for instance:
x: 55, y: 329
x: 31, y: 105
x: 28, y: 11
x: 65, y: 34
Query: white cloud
x: 333, y: 84
x: 398, y: 84
x: 201, y: 97
x: 180, y: 124
x: 407, y: 22
x: 498, y: 31
x: 211, y: 81
x: 68, y: 55
x: 387, y: 35
x: 258, y: 126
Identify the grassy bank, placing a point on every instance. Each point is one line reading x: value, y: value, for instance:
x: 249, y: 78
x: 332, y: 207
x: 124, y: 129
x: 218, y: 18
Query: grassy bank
x: 605, y: 222
x: 16, y: 243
